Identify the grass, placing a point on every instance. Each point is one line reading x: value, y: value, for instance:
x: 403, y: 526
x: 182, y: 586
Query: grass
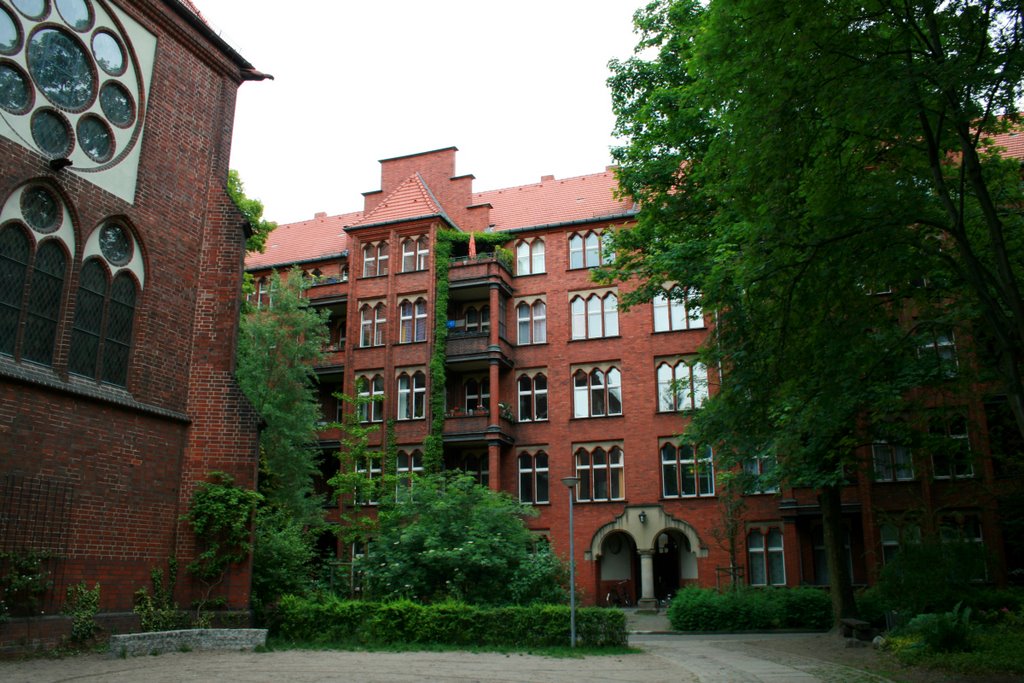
x: 275, y: 644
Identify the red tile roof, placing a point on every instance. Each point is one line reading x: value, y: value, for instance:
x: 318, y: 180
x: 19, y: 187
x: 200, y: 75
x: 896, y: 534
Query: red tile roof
x: 1011, y: 144
x: 322, y: 236
x: 555, y: 201
x: 411, y: 199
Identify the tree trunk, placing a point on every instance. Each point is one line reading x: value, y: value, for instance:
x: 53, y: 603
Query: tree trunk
x: 841, y: 583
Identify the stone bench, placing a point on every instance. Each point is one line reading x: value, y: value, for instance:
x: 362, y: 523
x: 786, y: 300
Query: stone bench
x: 856, y: 628
x: 186, y: 640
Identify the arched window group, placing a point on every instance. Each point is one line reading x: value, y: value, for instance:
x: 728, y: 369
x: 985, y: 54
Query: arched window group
x: 533, y: 397
x: 589, y: 250
x: 375, y: 259
x: 597, y: 393
x: 677, y: 310
x: 478, y: 394
x: 415, y: 252
x: 600, y: 471
x: 530, y: 257
x: 412, y: 321
x: 532, y: 322
x: 371, y: 395
x: 478, y: 320
x: 681, y: 386
x: 372, y: 324
x: 594, y: 316
x: 412, y: 395
x: 36, y: 246
x: 687, y: 471
x: 533, y: 477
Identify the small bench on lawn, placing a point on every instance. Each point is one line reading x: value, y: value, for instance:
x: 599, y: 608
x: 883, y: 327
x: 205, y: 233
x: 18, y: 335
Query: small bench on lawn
x: 856, y: 628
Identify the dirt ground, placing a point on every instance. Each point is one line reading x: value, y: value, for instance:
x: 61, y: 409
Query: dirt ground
x: 745, y: 658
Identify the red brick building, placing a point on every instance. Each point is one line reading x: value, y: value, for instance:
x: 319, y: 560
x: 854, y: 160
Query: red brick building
x: 546, y: 378
x: 120, y: 271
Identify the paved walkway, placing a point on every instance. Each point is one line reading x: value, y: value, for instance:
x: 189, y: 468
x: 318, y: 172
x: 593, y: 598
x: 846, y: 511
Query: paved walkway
x: 665, y: 657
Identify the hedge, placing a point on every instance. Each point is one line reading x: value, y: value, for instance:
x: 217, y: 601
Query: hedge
x: 328, y: 620
x: 750, y: 609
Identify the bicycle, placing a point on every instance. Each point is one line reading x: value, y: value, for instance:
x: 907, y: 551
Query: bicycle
x: 618, y: 596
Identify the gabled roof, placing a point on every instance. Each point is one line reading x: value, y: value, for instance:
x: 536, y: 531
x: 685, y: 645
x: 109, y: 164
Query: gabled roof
x: 411, y: 199
x: 303, y: 241
x: 555, y: 201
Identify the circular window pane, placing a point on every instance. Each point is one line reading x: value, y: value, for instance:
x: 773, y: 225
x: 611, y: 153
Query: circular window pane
x: 51, y: 132
x: 14, y: 90
x: 94, y: 138
x: 33, y: 9
x: 115, y: 245
x: 117, y: 104
x: 40, y: 209
x: 8, y: 33
x: 61, y: 69
x: 76, y: 13
x: 108, y: 53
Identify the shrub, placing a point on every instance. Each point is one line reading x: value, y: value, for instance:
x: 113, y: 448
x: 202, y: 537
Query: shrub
x: 931, y: 576
x: 330, y: 620
x: 24, y: 580
x: 945, y: 632
x: 704, y: 609
x: 82, y: 604
x: 282, y: 555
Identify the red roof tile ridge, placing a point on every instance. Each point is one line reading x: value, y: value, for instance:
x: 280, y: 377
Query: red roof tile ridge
x: 546, y: 180
x: 411, y: 199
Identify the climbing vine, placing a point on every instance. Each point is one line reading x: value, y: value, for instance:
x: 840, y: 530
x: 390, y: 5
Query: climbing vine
x: 433, y: 445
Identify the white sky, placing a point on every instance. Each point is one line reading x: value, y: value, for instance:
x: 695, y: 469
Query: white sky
x: 518, y: 87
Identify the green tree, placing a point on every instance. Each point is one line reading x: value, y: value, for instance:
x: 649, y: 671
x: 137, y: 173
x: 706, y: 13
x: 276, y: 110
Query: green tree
x: 446, y: 537
x: 793, y: 161
x: 252, y: 209
x: 278, y: 348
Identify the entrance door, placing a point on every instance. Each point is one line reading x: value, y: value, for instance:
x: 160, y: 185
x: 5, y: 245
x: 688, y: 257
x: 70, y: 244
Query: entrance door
x: 666, y: 566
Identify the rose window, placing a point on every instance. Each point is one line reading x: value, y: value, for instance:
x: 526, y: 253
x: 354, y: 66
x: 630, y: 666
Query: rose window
x: 70, y: 83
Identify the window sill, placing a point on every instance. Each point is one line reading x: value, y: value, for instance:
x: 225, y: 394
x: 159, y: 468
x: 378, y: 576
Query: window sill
x: 702, y: 328
x: 542, y: 272
x: 372, y: 277
x: 596, y: 417
x: 584, y: 339
x: 412, y: 272
x: 543, y: 343
x: 521, y: 421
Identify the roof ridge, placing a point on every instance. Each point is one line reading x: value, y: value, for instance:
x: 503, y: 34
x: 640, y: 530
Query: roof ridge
x: 544, y: 179
x: 408, y: 186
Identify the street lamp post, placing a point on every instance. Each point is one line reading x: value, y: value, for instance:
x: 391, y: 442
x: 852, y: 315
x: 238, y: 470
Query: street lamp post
x: 571, y: 483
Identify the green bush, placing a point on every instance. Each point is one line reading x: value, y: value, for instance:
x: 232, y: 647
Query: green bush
x: 704, y: 609
x: 330, y: 620
x: 931, y: 576
x: 946, y: 632
x: 282, y: 556
x: 82, y: 604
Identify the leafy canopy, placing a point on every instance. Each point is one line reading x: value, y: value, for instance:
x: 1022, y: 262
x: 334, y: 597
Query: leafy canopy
x: 446, y: 537
x: 795, y: 163
x: 252, y: 209
x: 278, y: 347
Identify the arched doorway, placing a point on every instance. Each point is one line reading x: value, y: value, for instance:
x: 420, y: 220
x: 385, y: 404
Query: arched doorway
x: 619, y: 569
x: 673, y: 562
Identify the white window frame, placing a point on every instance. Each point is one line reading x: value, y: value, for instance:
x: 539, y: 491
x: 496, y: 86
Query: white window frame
x: 590, y: 473
x: 534, y: 469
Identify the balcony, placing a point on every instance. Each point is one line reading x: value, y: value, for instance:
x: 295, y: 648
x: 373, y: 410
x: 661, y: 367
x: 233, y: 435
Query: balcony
x: 481, y: 270
x: 476, y: 427
x: 327, y: 288
x: 333, y: 358
x: 475, y: 348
